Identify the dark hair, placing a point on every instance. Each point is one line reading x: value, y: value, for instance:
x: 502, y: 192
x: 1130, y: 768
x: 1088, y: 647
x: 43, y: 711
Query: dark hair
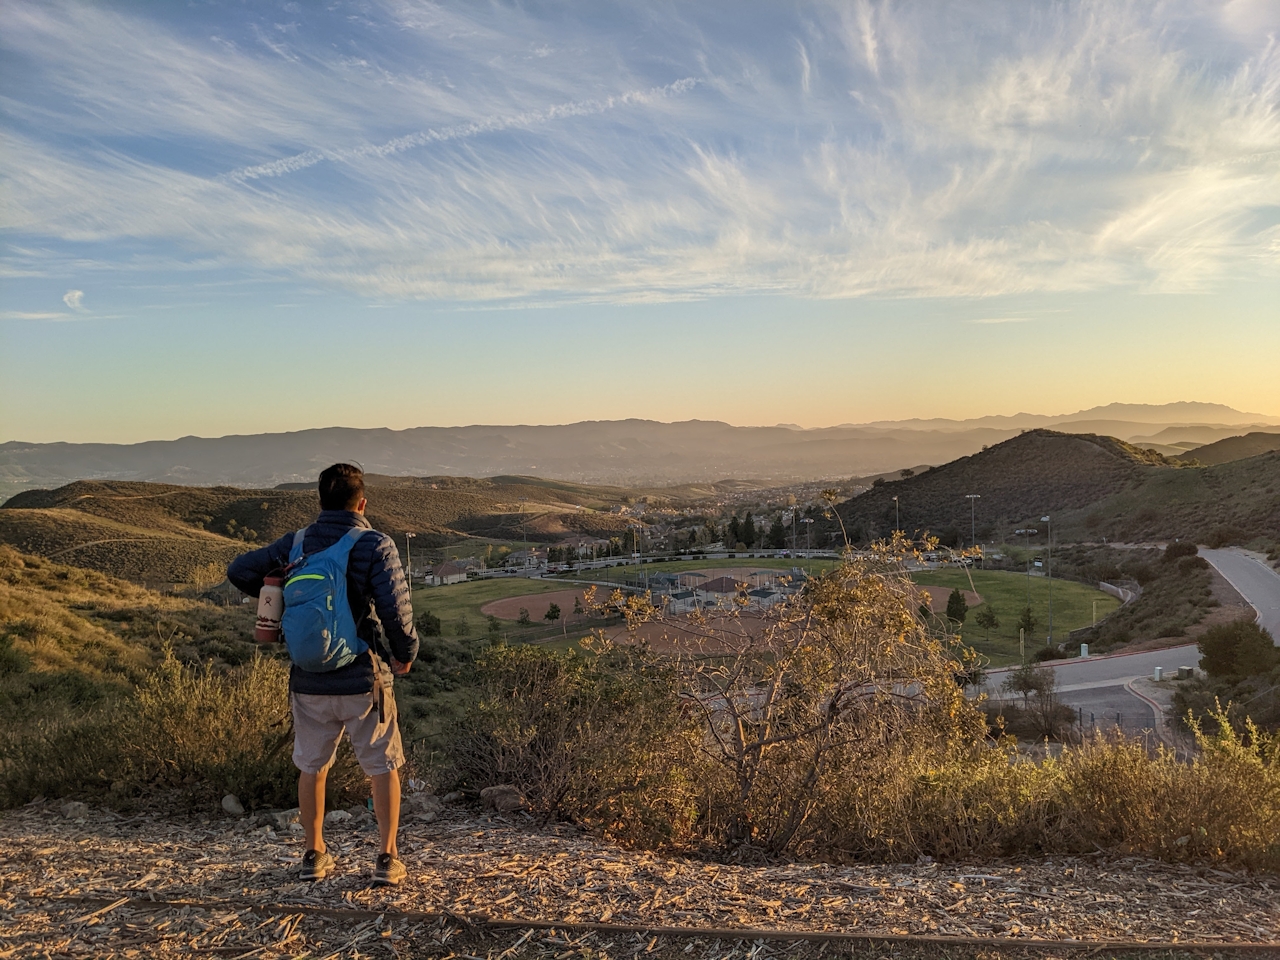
x: 341, y: 487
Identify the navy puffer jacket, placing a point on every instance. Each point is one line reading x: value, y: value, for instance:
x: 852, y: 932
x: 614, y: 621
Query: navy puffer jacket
x: 376, y: 589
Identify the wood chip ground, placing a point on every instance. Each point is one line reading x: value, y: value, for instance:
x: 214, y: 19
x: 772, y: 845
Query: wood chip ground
x: 71, y: 888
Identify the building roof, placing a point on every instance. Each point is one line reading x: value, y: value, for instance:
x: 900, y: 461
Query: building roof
x: 722, y: 585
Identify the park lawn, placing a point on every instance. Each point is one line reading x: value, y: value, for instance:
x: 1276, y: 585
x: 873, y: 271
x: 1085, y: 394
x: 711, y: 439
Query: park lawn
x: 455, y: 600
x: 1007, y: 595
x: 462, y: 602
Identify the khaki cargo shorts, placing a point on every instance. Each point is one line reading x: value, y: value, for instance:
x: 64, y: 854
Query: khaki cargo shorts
x: 318, y: 722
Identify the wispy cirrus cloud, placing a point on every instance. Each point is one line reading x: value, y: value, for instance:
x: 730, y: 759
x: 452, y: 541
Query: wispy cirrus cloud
x: 412, y: 150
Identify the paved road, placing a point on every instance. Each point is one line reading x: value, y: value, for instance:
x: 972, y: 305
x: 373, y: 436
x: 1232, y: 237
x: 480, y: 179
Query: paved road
x: 1254, y: 580
x: 1097, y: 685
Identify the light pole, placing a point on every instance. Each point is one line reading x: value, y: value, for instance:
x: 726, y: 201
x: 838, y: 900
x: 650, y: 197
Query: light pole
x: 408, y: 561
x: 897, y: 523
x: 1049, y: 536
x: 808, y: 534
x: 973, y: 498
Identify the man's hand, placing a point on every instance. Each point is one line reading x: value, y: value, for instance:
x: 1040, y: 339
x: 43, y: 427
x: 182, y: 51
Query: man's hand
x: 399, y: 669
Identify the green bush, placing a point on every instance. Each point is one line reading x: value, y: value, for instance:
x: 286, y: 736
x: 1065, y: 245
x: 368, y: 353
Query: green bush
x: 428, y: 625
x: 1237, y: 650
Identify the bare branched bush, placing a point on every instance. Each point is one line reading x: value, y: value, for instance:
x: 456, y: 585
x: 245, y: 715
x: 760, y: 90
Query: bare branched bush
x: 598, y: 738
x: 835, y: 725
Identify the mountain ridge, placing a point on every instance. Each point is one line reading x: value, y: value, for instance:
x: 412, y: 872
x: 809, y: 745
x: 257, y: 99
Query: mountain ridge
x: 631, y: 452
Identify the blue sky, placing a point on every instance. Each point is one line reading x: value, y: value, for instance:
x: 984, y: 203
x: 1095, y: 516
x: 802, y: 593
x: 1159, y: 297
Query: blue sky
x: 217, y: 216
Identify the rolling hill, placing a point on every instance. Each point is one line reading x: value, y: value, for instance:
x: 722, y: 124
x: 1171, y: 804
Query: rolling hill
x: 1092, y: 486
x: 1236, y: 448
x: 169, y: 533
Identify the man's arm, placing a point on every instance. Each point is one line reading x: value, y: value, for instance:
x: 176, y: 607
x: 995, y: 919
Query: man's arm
x: 246, y: 572
x: 392, y: 601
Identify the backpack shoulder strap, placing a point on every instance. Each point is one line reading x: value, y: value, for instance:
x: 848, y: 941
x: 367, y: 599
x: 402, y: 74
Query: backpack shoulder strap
x: 349, y: 540
x: 295, y: 551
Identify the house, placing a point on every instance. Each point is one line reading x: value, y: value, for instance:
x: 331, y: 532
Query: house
x: 449, y: 572
x: 584, y: 546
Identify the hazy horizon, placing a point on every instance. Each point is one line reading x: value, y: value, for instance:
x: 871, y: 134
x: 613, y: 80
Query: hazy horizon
x: 1242, y: 417
x: 216, y: 219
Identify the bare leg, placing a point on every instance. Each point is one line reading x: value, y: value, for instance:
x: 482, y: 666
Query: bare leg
x: 386, y: 807
x: 311, y: 807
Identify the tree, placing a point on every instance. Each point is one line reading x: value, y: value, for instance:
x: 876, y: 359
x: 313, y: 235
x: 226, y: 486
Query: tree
x: 986, y: 618
x: 777, y: 534
x: 1237, y: 650
x: 749, y: 530
x: 904, y: 474
x: 957, y: 606
x: 428, y: 624
x: 1029, y: 679
x: 462, y: 626
x: 553, y: 613
x: 577, y: 606
x: 734, y: 533
x: 495, y: 625
x: 523, y: 619
x: 1028, y: 622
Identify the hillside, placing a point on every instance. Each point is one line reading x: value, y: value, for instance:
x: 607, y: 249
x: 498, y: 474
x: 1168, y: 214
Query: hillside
x: 1233, y: 502
x: 1236, y: 448
x: 1092, y: 486
x: 1035, y: 472
x: 169, y: 533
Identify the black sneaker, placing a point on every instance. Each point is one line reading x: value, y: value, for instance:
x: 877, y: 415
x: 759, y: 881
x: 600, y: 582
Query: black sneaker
x: 316, y: 865
x: 388, y: 871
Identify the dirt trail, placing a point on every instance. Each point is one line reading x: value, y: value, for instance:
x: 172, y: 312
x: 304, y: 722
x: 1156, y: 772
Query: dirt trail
x: 505, y: 867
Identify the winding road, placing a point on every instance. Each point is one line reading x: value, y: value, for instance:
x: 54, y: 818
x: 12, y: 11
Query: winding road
x: 1099, y: 687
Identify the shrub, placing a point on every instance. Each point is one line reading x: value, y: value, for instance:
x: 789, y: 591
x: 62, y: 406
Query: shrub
x: 429, y: 624
x: 597, y: 737
x: 193, y: 730
x: 840, y: 732
x: 1179, y: 549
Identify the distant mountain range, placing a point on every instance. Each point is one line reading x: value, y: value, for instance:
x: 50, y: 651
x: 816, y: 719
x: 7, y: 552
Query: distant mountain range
x: 620, y: 452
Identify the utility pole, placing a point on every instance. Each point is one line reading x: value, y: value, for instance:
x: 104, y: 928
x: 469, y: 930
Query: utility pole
x: 973, y: 498
x: 1050, y: 572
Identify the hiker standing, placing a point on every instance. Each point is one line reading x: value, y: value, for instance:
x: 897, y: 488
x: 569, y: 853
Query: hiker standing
x: 342, y: 669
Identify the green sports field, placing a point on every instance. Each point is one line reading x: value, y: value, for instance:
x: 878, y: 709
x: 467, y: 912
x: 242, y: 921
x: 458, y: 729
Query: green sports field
x: 1006, y: 593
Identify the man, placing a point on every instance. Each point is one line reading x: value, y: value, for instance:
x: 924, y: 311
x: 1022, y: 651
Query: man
x: 356, y: 697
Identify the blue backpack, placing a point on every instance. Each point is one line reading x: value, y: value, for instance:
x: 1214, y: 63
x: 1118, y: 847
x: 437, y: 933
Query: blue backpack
x: 317, y: 624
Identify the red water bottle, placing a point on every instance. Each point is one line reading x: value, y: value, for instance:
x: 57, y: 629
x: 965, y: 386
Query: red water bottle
x: 270, y: 610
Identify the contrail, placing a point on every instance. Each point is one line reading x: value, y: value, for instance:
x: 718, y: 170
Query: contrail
x: 578, y: 108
